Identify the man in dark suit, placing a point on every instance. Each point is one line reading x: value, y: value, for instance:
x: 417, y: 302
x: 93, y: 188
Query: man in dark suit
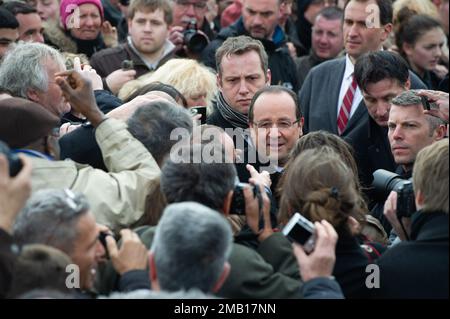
x: 381, y: 75
x: 330, y: 98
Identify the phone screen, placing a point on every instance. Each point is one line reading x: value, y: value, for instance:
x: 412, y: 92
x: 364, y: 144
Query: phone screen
x: 200, y: 110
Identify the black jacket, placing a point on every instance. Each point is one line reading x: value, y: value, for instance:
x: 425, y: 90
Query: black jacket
x: 372, y: 149
x: 281, y: 64
x: 80, y: 145
x: 417, y: 268
x: 351, y: 262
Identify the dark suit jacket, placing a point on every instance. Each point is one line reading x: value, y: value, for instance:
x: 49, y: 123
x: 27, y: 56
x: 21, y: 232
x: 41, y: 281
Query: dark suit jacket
x: 417, y: 268
x: 319, y: 98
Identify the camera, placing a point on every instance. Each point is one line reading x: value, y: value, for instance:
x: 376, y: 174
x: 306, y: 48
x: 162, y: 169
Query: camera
x: 15, y: 164
x: 406, y: 204
x: 384, y: 182
x: 195, y: 41
x: 199, y: 110
x: 238, y: 200
x: 301, y: 231
x: 127, y: 65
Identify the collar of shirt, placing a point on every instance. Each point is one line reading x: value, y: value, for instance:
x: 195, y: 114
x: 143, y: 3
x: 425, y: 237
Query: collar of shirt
x: 168, y: 47
x: 349, y: 69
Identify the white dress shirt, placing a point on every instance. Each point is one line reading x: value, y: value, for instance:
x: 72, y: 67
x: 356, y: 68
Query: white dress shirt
x: 346, y: 82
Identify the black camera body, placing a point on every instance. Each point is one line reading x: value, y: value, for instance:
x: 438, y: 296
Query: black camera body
x: 406, y: 203
x: 195, y: 41
x: 384, y: 182
x: 238, y: 201
x: 15, y: 164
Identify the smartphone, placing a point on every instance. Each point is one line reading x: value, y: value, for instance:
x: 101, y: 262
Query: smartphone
x: 301, y: 231
x: 127, y: 65
x: 199, y: 110
x: 425, y: 103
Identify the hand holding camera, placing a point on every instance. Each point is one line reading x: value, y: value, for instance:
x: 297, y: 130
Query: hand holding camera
x: 15, y: 185
x: 132, y: 255
x: 319, y: 263
x: 399, y: 221
x: 257, y: 206
x: 301, y: 231
x: 440, y: 99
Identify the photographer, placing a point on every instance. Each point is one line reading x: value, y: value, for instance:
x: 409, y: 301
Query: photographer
x: 190, y: 31
x: 410, y: 129
x: 418, y: 268
x: 14, y: 192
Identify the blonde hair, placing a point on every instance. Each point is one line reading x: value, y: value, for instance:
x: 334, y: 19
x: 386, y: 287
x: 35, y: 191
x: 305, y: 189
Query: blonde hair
x: 187, y: 76
x: 418, y: 6
x: 430, y: 176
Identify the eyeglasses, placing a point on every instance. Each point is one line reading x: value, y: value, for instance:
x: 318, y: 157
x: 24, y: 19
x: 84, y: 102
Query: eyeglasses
x: 184, y: 4
x: 281, y: 125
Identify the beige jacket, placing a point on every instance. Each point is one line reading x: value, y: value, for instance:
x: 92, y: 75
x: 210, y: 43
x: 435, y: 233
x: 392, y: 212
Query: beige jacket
x: 117, y: 198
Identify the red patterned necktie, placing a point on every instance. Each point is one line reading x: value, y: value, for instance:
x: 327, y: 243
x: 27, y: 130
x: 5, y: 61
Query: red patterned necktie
x: 346, y: 107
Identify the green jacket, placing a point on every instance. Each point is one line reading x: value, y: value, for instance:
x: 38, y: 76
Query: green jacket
x: 117, y: 197
x: 271, y: 271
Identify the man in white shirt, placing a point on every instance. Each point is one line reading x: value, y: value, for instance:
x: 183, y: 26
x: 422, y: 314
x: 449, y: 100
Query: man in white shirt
x: 331, y: 100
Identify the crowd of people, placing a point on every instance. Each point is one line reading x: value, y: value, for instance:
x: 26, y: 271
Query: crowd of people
x: 165, y: 149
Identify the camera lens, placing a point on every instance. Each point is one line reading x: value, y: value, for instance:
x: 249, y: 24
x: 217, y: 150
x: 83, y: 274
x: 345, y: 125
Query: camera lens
x: 195, y: 41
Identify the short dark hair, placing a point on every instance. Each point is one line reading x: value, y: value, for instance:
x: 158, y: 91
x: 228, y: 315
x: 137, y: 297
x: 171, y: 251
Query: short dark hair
x: 331, y: 13
x: 152, y: 125
x: 386, y: 10
x: 198, y: 181
x: 275, y: 89
x: 7, y: 20
x: 373, y: 67
x: 19, y: 7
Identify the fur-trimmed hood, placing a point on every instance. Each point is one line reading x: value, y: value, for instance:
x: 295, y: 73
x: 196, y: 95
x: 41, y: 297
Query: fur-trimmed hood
x: 55, y: 36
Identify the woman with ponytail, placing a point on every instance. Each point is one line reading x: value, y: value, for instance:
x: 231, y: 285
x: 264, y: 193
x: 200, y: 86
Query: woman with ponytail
x: 321, y: 186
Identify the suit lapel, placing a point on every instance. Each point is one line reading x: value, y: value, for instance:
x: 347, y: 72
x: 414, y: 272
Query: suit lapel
x: 336, y: 76
x: 359, y: 113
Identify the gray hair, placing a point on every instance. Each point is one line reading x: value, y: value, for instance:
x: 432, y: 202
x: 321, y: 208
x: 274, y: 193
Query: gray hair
x: 50, y: 217
x: 191, y: 245
x: 152, y: 294
x: 411, y: 98
x: 204, y: 182
x: 23, y: 68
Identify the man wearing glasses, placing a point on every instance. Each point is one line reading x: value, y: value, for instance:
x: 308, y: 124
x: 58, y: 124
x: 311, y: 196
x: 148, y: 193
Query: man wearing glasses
x: 276, y: 122
x: 186, y: 12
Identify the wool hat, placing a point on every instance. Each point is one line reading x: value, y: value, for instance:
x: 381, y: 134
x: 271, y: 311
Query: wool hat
x: 67, y: 7
x: 23, y: 122
x: 231, y: 14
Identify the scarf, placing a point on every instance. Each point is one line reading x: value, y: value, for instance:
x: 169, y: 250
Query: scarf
x: 237, y: 119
